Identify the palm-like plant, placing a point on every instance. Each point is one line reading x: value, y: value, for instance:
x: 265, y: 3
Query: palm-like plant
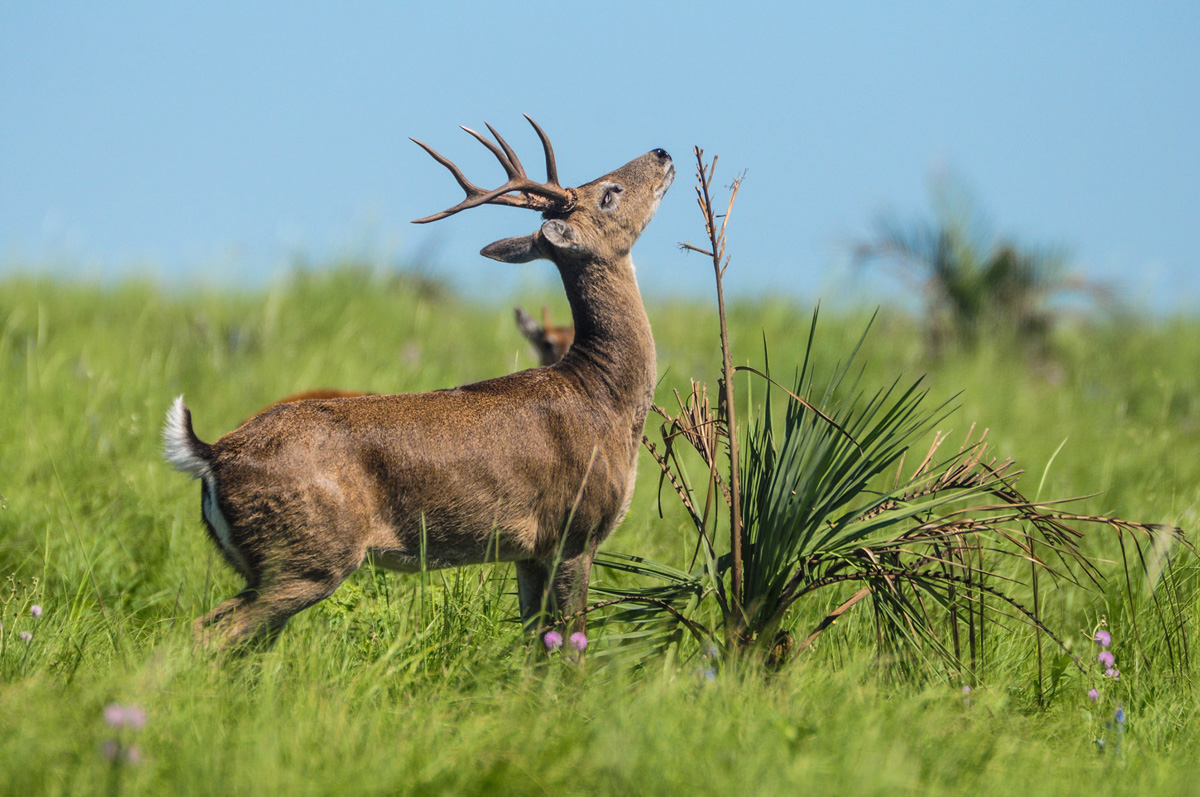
x: 973, y: 283
x: 939, y: 553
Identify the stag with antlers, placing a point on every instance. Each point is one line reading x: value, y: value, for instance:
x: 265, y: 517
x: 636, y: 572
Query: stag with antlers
x: 536, y: 467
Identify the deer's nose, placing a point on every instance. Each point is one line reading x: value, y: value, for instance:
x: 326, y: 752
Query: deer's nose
x: 662, y: 154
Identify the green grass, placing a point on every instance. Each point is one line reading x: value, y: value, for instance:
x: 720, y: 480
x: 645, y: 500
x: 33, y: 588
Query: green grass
x: 397, y: 686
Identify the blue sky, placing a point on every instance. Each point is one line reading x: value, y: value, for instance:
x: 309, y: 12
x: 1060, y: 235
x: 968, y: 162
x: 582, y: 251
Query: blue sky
x: 214, y: 142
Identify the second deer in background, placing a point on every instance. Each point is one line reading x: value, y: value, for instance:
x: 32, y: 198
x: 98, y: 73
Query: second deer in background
x: 548, y: 341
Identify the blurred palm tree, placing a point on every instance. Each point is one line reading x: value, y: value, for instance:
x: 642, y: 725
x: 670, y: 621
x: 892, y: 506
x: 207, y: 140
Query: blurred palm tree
x: 976, y: 284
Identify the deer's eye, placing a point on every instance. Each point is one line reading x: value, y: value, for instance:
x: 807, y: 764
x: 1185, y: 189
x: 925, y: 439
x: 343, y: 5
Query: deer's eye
x: 609, y: 200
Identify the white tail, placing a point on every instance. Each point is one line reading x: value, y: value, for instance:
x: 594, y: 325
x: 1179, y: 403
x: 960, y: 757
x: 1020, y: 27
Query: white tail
x: 180, y: 442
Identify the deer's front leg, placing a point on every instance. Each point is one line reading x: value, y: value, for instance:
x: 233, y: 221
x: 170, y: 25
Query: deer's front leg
x: 569, y: 589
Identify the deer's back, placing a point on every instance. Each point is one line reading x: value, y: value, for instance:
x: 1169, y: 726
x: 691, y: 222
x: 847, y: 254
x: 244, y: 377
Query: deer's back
x: 501, y: 463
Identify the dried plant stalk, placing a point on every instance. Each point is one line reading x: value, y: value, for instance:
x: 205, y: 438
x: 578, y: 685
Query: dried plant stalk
x: 727, y: 409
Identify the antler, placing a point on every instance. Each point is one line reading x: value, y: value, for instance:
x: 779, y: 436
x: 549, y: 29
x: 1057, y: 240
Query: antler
x: 547, y: 197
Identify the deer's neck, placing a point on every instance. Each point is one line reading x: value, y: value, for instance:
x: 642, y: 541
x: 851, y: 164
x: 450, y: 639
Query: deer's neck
x: 613, y: 351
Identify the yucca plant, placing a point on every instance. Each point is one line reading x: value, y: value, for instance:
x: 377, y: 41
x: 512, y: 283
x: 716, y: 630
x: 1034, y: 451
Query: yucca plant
x: 823, y: 499
x: 974, y: 284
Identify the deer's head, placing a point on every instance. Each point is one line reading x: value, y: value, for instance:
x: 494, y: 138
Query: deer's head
x: 599, y: 221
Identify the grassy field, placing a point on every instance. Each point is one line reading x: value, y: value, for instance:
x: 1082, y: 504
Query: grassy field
x: 404, y: 684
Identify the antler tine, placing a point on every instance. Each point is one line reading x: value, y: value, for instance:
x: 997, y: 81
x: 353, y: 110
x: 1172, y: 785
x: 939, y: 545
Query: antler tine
x: 512, y: 169
x: 551, y: 169
x: 546, y: 197
x: 463, y: 182
x: 466, y: 185
x: 508, y: 151
x: 475, y: 194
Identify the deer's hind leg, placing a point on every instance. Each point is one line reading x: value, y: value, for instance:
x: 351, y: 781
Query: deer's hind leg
x: 306, y: 572
x: 299, y: 550
x: 203, y: 630
x: 259, y: 615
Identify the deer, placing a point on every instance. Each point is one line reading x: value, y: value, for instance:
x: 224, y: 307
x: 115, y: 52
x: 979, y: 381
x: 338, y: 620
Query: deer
x: 549, y: 342
x: 535, y: 467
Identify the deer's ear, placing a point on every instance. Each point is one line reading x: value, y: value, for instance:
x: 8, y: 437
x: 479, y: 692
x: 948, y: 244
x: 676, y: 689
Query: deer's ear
x: 562, y: 236
x: 526, y: 324
x: 513, y: 250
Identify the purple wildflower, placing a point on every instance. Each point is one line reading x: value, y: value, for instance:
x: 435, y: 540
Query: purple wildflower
x: 552, y: 640
x: 35, y: 610
x: 25, y: 636
x: 966, y: 690
x: 135, y: 717
x: 1106, y: 658
x: 118, y: 753
x: 579, y: 641
x: 1113, y: 673
x: 1102, y: 638
x: 1094, y: 695
x: 118, y: 716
